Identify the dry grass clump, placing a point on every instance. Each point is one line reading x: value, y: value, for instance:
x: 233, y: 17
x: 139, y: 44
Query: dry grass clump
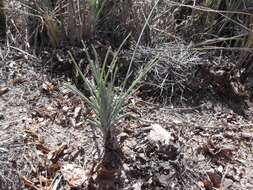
x: 56, y: 22
x: 231, y: 22
x: 60, y: 22
x: 174, y: 72
x: 161, y: 27
x: 224, y: 23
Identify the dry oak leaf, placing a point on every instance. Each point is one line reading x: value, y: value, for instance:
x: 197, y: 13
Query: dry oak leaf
x: 74, y: 174
x: 215, y: 179
x: 48, y: 87
x: 28, y: 184
x: 57, y: 153
x: 43, y: 148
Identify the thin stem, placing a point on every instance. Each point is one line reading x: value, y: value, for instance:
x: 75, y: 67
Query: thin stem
x: 138, y: 42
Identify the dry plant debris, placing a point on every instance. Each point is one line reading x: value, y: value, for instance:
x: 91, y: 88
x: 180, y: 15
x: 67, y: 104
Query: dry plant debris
x: 209, y: 146
x: 46, y: 141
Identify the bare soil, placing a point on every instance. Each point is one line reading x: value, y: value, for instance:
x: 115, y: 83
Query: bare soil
x: 46, y: 141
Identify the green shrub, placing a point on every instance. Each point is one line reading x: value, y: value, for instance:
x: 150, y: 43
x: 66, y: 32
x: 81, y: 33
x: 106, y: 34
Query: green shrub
x: 107, y: 100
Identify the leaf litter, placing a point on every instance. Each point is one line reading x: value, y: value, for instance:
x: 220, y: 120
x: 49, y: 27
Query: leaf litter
x: 46, y: 141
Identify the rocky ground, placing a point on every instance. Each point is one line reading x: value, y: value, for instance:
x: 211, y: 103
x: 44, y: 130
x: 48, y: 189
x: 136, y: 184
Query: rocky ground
x: 47, y: 143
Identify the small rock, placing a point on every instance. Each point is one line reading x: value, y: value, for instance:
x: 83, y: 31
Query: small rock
x: 65, y: 108
x: 12, y: 64
x: 77, y: 111
x: 129, y: 153
x: 123, y: 136
x: 247, y: 135
x: 126, y: 167
x: 50, y: 108
x: 220, y: 169
x: 137, y: 186
x: 44, y: 86
x: 3, y: 150
x: 159, y: 134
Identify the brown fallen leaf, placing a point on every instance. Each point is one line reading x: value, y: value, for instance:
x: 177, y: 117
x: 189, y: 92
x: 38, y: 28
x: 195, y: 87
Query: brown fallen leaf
x: 215, y: 179
x: 209, y: 148
x: 44, y: 181
x: 37, y: 141
x: 207, y: 184
x: 43, y: 112
x: 43, y: 148
x: 28, y: 183
x: 217, y: 151
x: 74, y: 174
x: 18, y: 80
x: 226, y: 152
x: 107, y: 173
x: 52, y: 169
x: 48, y: 87
x: 33, y: 134
x: 57, y: 153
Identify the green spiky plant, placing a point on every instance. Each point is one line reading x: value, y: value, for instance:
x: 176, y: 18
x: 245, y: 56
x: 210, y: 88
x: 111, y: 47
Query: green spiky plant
x: 107, y: 101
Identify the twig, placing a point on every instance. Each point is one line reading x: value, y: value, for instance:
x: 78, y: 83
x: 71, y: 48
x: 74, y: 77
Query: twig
x: 24, y: 52
x: 224, y: 174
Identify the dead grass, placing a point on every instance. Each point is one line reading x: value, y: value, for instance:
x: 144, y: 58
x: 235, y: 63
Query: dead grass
x: 68, y: 22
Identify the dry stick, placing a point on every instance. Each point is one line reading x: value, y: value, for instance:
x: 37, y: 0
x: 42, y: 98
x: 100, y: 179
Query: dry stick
x: 220, y: 39
x: 24, y: 52
x: 224, y: 175
x: 223, y: 48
